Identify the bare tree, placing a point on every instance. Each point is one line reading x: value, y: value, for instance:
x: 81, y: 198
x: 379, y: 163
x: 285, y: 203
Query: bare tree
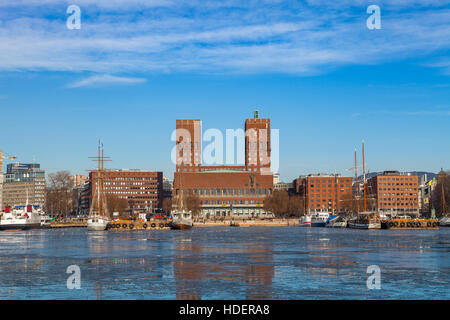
x: 116, y: 204
x: 192, y: 203
x: 167, y: 205
x: 296, y: 205
x: 59, y: 196
x: 277, y: 203
x: 440, y: 196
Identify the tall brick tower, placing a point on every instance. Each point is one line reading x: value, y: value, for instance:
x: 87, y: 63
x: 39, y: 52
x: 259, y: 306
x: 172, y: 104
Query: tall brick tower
x: 257, y: 144
x: 189, y: 143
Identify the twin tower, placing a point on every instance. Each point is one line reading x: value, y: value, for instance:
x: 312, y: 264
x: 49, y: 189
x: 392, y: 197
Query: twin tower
x: 257, y: 145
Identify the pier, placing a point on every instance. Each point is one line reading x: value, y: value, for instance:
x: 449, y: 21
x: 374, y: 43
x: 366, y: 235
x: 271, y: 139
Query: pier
x: 81, y: 224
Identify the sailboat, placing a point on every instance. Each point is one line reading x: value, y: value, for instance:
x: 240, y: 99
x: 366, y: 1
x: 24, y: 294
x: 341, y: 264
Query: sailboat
x: 98, y: 219
x: 445, y: 220
x: 366, y: 219
x: 181, y: 218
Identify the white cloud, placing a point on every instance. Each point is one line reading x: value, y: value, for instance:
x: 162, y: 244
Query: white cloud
x: 219, y: 36
x: 105, y: 79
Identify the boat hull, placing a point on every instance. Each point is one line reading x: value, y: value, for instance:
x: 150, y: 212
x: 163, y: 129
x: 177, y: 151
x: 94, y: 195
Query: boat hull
x: 317, y: 224
x: 179, y: 226
x: 444, y: 222
x: 305, y: 224
x: 366, y: 226
x: 337, y: 225
x: 20, y: 226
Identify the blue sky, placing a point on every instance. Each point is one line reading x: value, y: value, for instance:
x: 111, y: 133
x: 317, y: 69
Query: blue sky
x: 326, y: 81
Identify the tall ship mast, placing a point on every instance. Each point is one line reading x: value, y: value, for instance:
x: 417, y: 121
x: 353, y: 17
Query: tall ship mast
x: 98, y: 216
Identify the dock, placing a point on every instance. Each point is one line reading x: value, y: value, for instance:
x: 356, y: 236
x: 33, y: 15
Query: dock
x: 81, y: 224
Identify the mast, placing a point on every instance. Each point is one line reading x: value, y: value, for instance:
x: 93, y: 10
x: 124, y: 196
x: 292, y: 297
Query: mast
x: 364, y: 177
x: 356, y: 185
x: 181, y: 196
x: 98, y: 187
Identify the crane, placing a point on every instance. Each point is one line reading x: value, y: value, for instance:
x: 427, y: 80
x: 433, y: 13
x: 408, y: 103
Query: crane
x: 4, y: 157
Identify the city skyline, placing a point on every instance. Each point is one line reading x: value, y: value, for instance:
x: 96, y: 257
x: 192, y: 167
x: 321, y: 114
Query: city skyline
x: 324, y: 79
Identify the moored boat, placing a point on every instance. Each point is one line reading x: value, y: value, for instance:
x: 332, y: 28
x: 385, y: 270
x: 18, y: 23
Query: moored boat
x: 319, y: 219
x: 336, y: 222
x: 444, y: 222
x: 181, y: 220
x: 20, y: 218
x: 304, y: 221
x: 365, y: 220
x: 98, y: 219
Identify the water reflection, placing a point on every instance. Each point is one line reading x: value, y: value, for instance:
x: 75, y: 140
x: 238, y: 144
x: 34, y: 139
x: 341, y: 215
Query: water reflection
x: 224, y: 263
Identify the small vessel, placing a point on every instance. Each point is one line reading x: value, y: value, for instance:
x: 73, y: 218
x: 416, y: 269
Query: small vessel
x: 20, y: 218
x: 181, y: 220
x: 304, y: 221
x: 97, y: 223
x: 365, y: 220
x: 98, y: 219
x: 319, y: 219
x: 336, y: 222
x: 444, y: 222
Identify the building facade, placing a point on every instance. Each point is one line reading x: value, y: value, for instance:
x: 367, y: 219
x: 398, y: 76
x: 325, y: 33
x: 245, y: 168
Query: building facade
x: 224, y: 191
x: 142, y: 189
x: 167, y: 188
x: 78, y: 180
x: 24, y: 183
x: 395, y: 193
x: 325, y: 192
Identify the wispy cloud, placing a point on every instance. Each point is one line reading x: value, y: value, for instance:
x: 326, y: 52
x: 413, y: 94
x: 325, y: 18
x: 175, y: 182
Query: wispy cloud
x: 105, y: 79
x: 219, y: 36
x: 440, y: 110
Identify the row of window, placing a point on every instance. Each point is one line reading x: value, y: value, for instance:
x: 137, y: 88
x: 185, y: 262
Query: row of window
x: 212, y: 202
x: 226, y: 192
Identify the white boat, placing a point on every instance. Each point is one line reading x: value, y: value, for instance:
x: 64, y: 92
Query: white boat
x: 20, y: 218
x: 98, y: 218
x: 444, y: 222
x: 304, y: 221
x: 319, y: 219
x: 336, y: 222
x: 97, y: 223
x: 181, y: 220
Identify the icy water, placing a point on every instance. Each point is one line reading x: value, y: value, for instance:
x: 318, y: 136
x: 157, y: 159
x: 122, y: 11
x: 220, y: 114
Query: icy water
x: 225, y: 263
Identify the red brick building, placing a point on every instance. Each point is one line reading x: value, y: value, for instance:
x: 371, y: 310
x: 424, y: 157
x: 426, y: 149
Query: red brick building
x: 237, y: 191
x: 142, y: 189
x: 395, y: 193
x: 324, y: 193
